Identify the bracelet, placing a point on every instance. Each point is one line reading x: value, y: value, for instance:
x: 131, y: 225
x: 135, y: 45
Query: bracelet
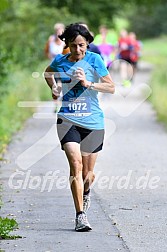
x: 91, y: 87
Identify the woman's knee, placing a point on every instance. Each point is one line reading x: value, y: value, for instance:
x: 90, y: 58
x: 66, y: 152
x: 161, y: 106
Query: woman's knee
x: 88, y: 177
x: 75, y: 167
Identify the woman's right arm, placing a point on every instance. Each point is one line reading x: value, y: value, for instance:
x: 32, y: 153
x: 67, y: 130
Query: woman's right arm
x: 49, y: 77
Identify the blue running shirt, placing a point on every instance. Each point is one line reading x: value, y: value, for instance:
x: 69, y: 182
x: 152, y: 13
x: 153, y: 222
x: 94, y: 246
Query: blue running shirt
x: 79, y: 104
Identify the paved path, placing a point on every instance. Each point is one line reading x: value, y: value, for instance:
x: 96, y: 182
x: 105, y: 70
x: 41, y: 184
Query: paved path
x: 128, y: 197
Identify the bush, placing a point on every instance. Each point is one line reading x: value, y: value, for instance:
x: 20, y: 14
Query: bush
x: 21, y: 87
x: 149, y: 21
x: 6, y: 226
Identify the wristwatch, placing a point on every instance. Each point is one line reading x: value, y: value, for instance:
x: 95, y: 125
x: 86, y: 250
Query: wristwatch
x: 91, y: 86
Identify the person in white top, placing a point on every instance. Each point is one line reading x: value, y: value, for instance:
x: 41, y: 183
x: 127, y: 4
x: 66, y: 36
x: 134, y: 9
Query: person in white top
x: 54, y: 44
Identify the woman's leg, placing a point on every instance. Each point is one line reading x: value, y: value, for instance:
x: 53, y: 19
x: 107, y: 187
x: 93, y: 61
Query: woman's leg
x: 88, y: 176
x: 73, y: 154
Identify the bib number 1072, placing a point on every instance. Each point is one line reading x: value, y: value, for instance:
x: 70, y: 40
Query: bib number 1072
x: 77, y: 106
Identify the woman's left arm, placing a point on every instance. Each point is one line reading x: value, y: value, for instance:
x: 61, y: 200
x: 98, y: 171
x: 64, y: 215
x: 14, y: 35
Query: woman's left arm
x: 105, y: 85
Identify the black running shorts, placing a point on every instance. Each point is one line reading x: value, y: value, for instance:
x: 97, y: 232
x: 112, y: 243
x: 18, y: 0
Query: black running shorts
x: 91, y: 141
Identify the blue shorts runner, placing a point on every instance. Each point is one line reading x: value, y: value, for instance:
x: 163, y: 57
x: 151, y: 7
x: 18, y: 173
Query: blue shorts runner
x: 91, y: 141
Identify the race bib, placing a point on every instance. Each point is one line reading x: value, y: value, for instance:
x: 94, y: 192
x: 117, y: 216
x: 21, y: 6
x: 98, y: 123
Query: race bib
x: 78, y: 107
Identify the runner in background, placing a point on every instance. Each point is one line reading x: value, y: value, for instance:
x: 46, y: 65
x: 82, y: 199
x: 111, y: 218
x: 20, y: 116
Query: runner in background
x: 106, y: 41
x: 128, y: 52
x: 55, y: 45
x: 135, y: 50
x: 123, y: 53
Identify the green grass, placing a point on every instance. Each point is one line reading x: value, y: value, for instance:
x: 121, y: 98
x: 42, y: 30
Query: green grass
x: 21, y: 87
x: 155, y: 52
x: 6, y: 226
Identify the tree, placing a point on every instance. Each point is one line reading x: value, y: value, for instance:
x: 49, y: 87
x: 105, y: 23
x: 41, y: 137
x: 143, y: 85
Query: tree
x: 149, y: 21
x: 104, y: 12
x: 95, y: 14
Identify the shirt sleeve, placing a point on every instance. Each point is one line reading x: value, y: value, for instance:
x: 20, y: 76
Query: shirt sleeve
x: 100, y: 67
x: 54, y: 63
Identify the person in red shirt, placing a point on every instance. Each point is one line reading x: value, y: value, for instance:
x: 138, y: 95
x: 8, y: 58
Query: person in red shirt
x: 123, y: 46
x: 123, y: 54
x: 135, y: 47
x: 128, y: 53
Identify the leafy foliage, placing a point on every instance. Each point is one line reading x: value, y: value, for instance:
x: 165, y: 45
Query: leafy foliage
x: 26, y: 28
x: 21, y: 87
x: 6, y: 226
x: 5, y: 64
x: 149, y: 21
x: 144, y: 15
x: 95, y: 14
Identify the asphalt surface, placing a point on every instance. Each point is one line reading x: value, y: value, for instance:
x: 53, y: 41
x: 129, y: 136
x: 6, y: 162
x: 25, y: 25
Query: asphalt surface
x: 129, y: 203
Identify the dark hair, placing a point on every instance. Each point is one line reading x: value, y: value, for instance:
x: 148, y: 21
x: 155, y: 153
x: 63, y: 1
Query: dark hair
x: 72, y: 31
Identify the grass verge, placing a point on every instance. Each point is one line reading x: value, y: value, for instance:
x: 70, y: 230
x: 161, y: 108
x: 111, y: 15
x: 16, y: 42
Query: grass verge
x: 21, y: 87
x: 155, y: 52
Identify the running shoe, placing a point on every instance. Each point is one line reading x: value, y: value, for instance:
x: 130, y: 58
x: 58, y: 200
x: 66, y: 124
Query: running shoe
x: 86, y: 202
x: 81, y: 223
